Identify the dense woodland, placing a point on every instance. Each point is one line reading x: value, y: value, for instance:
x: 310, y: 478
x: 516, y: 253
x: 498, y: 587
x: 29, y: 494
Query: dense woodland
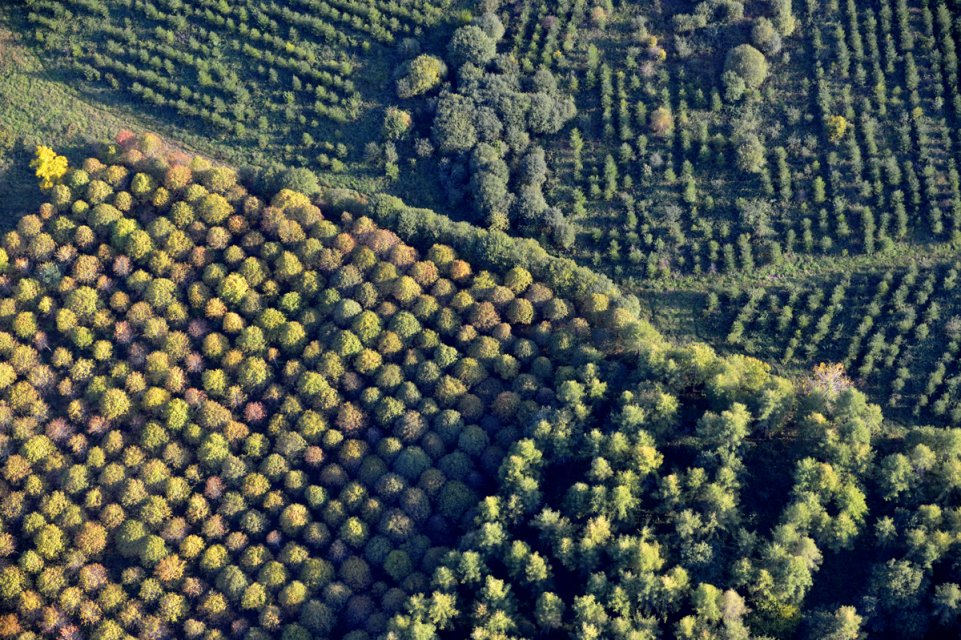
x: 487, y: 319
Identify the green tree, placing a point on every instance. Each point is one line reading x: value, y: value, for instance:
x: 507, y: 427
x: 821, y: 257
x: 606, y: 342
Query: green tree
x: 422, y: 74
x: 214, y: 208
x: 255, y: 597
x: 396, y: 124
x: 843, y: 624
x: 748, y: 64
x: 784, y: 18
x: 471, y: 44
x: 299, y: 179
x: 49, y: 541
x: 233, y: 288
x: 766, y: 36
x: 750, y: 153
x: 213, y: 450
x: 453, y: 128
x: 114, y: 404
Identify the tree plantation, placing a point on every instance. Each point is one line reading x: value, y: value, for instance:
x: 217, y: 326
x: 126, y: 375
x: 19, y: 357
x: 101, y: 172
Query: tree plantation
x: 245, y: 414
x: 480, y: 320
x: 233, y: 416
x: 668, y: 145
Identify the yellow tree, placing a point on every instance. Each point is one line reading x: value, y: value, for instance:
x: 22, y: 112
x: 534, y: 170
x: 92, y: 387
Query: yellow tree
x: 50, y: 167
x: 837, y: 127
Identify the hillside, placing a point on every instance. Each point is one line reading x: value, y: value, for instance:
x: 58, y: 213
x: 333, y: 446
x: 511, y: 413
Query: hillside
x: 489, y: 319
x: 229, y: 415
x: 765, y: 191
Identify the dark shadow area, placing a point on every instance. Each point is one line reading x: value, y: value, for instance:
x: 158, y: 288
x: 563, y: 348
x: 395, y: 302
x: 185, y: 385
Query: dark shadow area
x: 17, y: 186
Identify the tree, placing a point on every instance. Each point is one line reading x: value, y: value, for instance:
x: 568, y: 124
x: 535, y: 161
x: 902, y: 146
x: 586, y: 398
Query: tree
x: 549, y: 113
x: 898, y: 584
x: 49, y: 541
x: 765, y: 36
x: 662, y: 122
x: 819, y: 189
x: 233, y: 288
x: 294, y: 518
x: 491, y: 24
x: 489, y: 182
x: 422, y: 74
x: 748, y: 64
x: 114, y: 404
x: 843, y: 624
x: 610, y: 177
x: 299, y: 179
x: 398, y: 565
x: 214, y: 208
x: 48, y: 166
x: 12, y: 582
x: 471, y: 44
x: 214, y: 450
x: 219, y: 179
x: 549, y: 610
x: 396, y: 123
x: 750, y: 153
x: 577, y: 147
x: 255, y: 597
x: 783, y: 17
x: 725, y: 432
x: 837, y: 126
x: 599, y: 16
x: 947, y: 602
x: 453, y: 128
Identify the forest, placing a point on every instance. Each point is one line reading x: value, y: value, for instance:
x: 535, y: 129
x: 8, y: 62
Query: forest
x: 486, y: 319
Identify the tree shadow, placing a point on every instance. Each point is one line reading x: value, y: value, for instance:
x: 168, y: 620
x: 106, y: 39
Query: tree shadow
x: 19, y: 193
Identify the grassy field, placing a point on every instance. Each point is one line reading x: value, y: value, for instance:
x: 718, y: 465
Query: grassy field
x: 41, y: 102
x: 39, y: 109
